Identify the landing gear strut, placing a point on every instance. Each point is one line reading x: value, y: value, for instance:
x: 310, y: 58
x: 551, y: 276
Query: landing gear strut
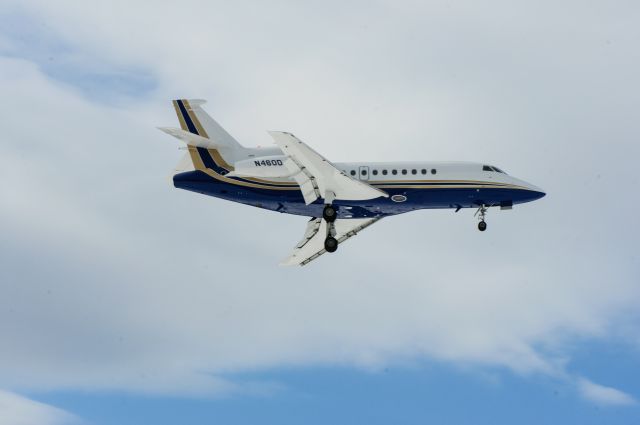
x: 329, y: 215
x: 482, y: 211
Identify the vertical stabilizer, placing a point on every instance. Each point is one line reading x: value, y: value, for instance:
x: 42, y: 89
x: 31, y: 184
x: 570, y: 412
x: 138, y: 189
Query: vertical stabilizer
x: 195, y: 120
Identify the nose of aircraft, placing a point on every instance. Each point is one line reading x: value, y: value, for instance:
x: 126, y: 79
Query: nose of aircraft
x: 532, y: 192
x: 535, y: 191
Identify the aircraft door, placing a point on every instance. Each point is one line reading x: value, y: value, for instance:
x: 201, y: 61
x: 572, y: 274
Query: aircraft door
x: 364, y: 173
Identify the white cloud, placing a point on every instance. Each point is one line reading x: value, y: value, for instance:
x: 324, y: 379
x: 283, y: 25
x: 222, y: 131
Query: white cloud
x: 18, y: 410
x: 109, y: 278
x: 603, y: 395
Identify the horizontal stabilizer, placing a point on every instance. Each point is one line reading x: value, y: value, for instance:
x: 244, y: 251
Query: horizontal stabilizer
x: 190, y: 138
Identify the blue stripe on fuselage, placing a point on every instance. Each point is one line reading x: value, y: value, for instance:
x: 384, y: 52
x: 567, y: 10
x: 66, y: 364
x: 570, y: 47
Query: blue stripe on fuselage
x: 210, y: 163
x: 205, y: 154
x: 292, y: 202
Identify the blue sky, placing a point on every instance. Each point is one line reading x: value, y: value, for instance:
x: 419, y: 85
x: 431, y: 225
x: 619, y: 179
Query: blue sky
x: 429, y: 391
x: 124, y: 300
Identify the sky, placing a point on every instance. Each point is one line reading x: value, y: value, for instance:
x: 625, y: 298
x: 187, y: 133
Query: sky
x: 124, y: 300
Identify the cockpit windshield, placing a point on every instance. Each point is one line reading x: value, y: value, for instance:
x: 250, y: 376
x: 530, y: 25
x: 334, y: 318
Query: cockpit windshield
x: 492, y: 168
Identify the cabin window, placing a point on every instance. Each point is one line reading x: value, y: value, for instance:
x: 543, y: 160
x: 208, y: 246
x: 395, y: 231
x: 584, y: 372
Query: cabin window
x: 414, y: 171
x: 404, y: 171
x: 384, y: 172
x: 363, y: 172
x: 375, y: 172
x: 433, y: 171
x: 353, y: 172
x: 424, y: 171
x: 394, y: 172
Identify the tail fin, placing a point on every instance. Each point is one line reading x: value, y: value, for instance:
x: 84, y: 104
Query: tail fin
x: 195, y: 120
x: 210, y: 146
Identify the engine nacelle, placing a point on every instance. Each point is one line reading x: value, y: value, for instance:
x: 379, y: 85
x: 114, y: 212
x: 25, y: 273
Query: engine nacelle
x: 263, y: 166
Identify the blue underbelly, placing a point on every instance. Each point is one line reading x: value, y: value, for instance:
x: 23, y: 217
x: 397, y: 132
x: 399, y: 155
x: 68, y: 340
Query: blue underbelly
x: 291, y: 201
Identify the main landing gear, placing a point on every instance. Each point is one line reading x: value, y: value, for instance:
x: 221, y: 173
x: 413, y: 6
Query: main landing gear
x: 331, y: 244
x: 482, y: 211
x: 329, y: 214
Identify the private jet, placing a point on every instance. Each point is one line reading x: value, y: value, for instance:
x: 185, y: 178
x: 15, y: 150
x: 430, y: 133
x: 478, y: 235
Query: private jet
x: 341, y: 198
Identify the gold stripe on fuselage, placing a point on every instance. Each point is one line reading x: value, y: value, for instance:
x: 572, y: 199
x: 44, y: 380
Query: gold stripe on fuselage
x: 217, y: 157
x: 381, y: 184
x: 451, y: 186
x: 199, y: 164
x: 428, y: 180
x: 197, y: 160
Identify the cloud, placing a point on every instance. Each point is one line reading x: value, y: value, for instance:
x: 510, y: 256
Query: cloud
x: 111, y: 279
x: 603, y: 395
x: 18, y: 410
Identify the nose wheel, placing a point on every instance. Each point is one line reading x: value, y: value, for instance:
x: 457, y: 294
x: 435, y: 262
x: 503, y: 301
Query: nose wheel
x: 482, y: 211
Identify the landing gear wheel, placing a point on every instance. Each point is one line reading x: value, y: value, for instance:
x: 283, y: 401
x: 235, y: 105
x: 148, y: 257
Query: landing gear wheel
x: 331, y: 244
x: 481, y: 213
x: 329, y: 214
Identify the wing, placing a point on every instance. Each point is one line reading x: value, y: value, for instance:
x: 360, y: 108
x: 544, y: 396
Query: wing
x: 317, y: 177
x: 312, y: 244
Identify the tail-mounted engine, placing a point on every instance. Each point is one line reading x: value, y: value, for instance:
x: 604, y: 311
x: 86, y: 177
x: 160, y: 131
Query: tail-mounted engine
x: 264, y: 166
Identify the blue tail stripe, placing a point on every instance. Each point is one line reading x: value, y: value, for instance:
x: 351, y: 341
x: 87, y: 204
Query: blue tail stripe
x: 187, y: 119
x: 208, y: 161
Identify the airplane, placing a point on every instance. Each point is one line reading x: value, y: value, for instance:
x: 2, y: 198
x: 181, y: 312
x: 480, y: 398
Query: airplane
x: 341, y: 198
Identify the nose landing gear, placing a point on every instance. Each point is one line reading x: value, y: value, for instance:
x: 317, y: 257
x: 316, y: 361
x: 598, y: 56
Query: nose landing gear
x: 482, y: 225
